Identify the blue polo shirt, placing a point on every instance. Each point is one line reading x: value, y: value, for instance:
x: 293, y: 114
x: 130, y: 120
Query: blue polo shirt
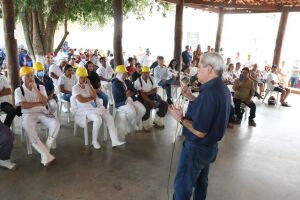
x: 209, y: 112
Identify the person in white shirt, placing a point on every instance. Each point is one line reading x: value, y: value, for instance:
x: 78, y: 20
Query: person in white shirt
x: 228, y: 75
x: 147, y: 89
x: 83, y: 60
x: 56, y: 71
x: 163, y: 79
x: 5, y: 106
x: 274, y: 85
x: 147, y: 59
x: 85, y: 105
x: 33, y: 101
x: 105, y: 73
x: 61, y: 54
x: 125, y: 98
x: 237, y: 70
x: 66, y: 82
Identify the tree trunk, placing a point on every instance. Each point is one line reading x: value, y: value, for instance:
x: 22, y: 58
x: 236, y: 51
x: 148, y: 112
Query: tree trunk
x: 220, y: 29
x: 280, y: 35
x: 27, y: 29
x: 178, y: 32
x: 118, y: 32
x: 10, y: 43
x: 37, y: 41
x: 64, y: 37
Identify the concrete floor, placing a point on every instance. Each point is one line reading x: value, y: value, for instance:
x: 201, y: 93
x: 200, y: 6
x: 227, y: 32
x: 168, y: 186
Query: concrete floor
x: 261, y: 163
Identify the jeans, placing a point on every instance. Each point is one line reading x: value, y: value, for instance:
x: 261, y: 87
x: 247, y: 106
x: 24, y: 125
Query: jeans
x: 104, y: 97
x: 167, y: 86
x: 66, y: 97
x: 237, y: 108
x: 10, y: 113
x: 193, y: 171
x: 6, y: 142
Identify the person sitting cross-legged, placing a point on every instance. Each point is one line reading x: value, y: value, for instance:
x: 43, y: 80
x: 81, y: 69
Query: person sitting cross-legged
x: 147, y: 88
x: 243, y: 92
x: 85, y: 105
x: 33, y: 103
x: 275, y: 85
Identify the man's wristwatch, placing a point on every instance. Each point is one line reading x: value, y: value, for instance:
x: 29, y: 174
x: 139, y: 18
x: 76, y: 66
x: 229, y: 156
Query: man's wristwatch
x: 181, y: 120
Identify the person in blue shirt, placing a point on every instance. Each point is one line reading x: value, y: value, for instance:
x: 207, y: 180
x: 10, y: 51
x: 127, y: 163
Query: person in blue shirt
x: 204, y: 125
x: 187, y: 56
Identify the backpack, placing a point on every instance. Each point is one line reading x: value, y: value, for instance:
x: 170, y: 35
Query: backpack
x: 18, y: 108
x: 272, y: 101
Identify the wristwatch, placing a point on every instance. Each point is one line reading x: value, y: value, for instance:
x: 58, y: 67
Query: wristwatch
x: 181, y: 120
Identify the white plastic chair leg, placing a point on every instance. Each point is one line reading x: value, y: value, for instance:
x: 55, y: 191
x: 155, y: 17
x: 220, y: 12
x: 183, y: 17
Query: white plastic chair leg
x: 86, y: 135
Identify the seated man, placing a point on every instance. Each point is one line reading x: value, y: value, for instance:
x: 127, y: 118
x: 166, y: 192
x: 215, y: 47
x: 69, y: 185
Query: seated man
x: 66, y: 82
x: 105, y: 73
x: 274, y: 85
x: 243, y: 92
x: 43, y: 79
x: 33, y: 103
x: 6, y: 107
x: 55, y: 71
x: 162, y: 78
x: 6, y: 145
x: 150, y: 99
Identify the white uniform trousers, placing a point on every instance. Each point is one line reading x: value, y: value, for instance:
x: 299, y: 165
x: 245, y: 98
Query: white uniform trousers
x: 97, y: 121
x: 108, y: 90
x: 30, y: 121
x: 135, y: 111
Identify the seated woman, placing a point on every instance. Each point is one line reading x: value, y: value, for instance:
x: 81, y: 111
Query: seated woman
x: 95, y: 81
x: 257, y: 76
x: 85, y: 104
x: 66, y: 82
x: 125, y: 97
x: 228, y: 75
x: 42, y: 79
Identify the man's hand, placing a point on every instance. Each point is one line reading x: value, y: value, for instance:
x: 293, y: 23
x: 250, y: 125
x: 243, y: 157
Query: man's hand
x: 129, y: 93
x: 177, y: 113
x: 88, y: 81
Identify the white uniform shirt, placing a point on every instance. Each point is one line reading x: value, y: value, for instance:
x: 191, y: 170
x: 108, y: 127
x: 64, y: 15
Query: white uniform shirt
x: 56, y: 70
x: 272, y: 77
x: 76, y: 90
x: 30, y: 96
x: 105, y: 73
x: 146, y: 60
x: 3, y: 85
x: 146, y: 86
x: 67, y: 82
x: 160, y: 73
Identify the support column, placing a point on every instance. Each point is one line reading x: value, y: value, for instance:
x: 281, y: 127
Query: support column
x: 219, y: 30
x: 10, y: 44
x: 118, y: 32
x: 280, y: 35
x: 178, y: 32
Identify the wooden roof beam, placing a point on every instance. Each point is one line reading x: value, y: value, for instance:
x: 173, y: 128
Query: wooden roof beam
x: 234, y: 5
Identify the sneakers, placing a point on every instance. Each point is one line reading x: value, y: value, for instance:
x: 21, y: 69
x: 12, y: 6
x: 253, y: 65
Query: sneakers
x: 159, y: 121
x: 96, y: 145
x: 46, y: 160
x: 8, y: 164
x: 252, y: 122
x: 117, y: 143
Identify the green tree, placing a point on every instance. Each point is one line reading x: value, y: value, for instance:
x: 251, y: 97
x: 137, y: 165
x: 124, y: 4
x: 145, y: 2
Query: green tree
x: 40, y: 18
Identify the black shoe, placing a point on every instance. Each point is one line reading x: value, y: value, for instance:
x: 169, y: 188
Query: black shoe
x: 238, y: 121
x: 252, y: 122
x: 169, y: 101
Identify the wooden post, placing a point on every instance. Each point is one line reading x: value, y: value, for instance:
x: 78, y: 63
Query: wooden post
x: 178, y: 32
x: 10, y: 44
x: 280, y: 35
x: 219, y: 30
x: 118, y: 32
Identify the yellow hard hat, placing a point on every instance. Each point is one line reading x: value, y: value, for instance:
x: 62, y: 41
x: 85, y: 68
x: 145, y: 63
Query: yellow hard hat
x: 81, y: 72
x: 25, y: 70
x: 120, y: 69
x: 38, y: 66
x: 145, y: 69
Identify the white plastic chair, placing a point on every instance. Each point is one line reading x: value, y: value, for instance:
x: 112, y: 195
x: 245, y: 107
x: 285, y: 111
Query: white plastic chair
x: 61, y: 101
x: 268, y: 91
x: 85, y: 130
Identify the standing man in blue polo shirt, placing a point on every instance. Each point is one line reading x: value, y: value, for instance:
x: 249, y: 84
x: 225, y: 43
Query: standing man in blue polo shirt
x: 204, y: 125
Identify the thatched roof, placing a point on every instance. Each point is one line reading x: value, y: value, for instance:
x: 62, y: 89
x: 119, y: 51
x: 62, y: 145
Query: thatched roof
x: 243, y: 6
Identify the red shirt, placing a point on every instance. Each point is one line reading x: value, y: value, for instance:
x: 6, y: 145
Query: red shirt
x: 131, y: 69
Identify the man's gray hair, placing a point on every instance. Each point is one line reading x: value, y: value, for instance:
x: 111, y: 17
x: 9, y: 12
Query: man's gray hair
x: 215, y: 60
